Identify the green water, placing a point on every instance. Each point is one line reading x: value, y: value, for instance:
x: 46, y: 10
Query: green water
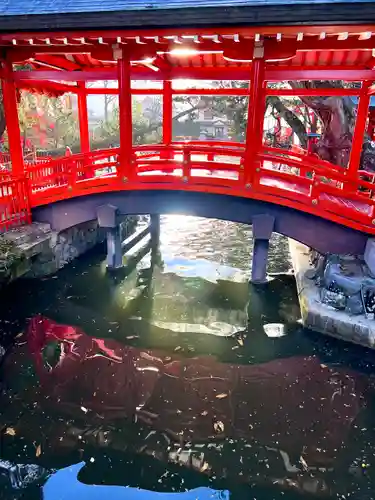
x: 192, y: 300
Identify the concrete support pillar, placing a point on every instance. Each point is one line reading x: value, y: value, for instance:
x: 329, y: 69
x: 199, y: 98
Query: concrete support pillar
x: 108, y: 219
x: 155, y: 240
x: 262, y: 230
x: 155, y: 229
x: 259, y: 264
x: 114, y: 250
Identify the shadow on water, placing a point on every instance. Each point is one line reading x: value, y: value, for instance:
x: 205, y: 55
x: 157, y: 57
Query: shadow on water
x: 191, y: 301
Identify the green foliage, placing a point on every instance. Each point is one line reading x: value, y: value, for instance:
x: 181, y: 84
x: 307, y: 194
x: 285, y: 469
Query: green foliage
x: 146, y: 118
x: 10, y: 255
x: 61, y: 122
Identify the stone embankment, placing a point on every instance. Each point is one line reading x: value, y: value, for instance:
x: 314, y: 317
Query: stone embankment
x: 336, y: 294
x: 35, y: 250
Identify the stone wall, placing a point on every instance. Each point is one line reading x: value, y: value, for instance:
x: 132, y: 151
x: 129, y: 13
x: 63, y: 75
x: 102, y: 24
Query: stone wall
x: 65, y: 247
x: 70, y: 244
x: 34, y: 251
x: 19, y: 246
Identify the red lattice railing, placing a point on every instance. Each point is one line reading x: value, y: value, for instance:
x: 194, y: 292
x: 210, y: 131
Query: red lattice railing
x: 14, y: 202
x: 290, y: 178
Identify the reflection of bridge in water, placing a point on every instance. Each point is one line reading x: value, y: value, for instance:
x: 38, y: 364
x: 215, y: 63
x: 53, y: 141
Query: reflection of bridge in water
x: 183, y: 403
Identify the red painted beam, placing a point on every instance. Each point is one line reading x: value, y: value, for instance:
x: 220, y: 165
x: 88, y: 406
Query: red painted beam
x: 113, y: 91
x: 309, y: 43
x: 67, y: 76
x: 200, y: 91
x: 219, y: 91
x: 55, y: 61
x: 313, y: 92
x: 354, y: 75
x: 46, y: 85
x: 226, y: 72
x: 11, y: 120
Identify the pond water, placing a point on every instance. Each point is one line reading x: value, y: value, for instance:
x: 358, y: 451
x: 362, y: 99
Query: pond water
x: 175, y: 373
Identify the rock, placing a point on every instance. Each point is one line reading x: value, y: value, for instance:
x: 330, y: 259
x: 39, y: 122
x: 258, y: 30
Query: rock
x: 369, y: 255
x: 333, y: 299
x: 18, y: 477
x: 354, y: 305
x: 35, y: 250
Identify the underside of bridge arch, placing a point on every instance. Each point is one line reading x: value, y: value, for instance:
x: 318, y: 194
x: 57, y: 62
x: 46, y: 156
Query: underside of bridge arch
x: 322, y: 235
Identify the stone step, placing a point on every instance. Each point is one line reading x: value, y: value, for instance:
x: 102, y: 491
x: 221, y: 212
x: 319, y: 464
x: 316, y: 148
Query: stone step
x: 28, y: 234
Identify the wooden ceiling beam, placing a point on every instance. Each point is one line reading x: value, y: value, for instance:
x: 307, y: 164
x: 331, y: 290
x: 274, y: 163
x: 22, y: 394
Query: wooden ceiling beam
x: 233, y: 73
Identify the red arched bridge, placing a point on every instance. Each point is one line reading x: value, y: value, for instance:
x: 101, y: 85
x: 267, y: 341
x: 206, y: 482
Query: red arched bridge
x: 273, y: 62
x: 286, y: 178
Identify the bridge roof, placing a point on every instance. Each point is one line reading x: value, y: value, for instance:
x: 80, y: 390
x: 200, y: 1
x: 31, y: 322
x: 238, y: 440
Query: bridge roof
x: 16, y: 15
x: 30, y: 7
x: 212, y: 56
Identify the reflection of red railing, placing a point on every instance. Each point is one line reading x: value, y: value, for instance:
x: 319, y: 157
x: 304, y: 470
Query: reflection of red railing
x: 14, y: 202
x: 290, y: 178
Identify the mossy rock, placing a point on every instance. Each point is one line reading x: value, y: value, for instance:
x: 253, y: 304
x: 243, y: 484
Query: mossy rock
x: 10, y: 258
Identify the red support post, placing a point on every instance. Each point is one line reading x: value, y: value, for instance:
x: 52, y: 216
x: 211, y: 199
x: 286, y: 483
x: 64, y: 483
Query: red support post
x: 359, y: 130
x: 83, y: 118
x: 256, y: 110
x: 127, y: 166
x: 167, y: 113
x: 167, y: 119
x: 11, y: 119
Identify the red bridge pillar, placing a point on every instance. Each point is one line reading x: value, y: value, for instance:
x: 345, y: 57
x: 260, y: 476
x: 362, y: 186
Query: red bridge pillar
x: 11, y: 119
x: 256, y: 109
x: 167, y: 112
x: 83, y: 119
x: 359, y: 130
x: 127, y: 168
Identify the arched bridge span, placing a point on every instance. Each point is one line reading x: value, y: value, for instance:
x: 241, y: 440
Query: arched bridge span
x: 323, y: 235
x: 308, y: 199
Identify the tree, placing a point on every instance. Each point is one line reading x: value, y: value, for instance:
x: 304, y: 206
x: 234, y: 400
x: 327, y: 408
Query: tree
x: 41, y: 115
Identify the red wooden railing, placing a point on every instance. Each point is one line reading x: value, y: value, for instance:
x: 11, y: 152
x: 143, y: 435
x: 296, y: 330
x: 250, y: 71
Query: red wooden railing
x: 290, y: 178
x: 14, y: 202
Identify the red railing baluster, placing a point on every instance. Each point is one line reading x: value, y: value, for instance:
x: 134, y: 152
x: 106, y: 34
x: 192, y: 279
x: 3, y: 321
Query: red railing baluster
x: 186, y: 165
x: 72, y: 173
x: 14, y: 203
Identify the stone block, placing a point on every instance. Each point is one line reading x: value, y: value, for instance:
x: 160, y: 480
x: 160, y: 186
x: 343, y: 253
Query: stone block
x: 354, y: 305
x: 369, y: 255
x: 107, y: 216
